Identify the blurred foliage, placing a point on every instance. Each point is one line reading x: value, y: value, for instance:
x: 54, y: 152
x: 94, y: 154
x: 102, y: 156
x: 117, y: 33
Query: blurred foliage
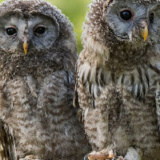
x: 76, y: 11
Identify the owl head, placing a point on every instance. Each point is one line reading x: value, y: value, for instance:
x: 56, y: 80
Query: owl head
x: 33, y: 26
x: 133, y: 22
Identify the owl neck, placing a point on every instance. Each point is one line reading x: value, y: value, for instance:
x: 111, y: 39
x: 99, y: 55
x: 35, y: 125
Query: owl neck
x: 118, y: 57
x: 126, y: 56
x: 34, y: 64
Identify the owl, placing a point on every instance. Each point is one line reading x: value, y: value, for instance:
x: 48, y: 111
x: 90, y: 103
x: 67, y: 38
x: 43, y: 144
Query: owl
x: 117, y: 81
x: 37, y: 67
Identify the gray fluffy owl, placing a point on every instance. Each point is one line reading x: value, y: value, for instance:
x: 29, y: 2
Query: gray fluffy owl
x: 37, y: 58
x: 118, y: 73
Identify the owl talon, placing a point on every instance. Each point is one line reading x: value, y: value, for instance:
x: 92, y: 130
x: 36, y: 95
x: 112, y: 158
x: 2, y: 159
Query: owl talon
x: 118, y: 158
x: 101, y: 155
x: 86, y: 157
x: 29, y: 157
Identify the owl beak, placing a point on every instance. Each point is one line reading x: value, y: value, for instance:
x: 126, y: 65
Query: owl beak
x: 25, y: 44
x: 144, y: 30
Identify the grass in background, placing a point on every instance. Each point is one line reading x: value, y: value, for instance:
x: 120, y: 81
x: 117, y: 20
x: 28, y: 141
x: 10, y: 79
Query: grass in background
x: 76, y: 11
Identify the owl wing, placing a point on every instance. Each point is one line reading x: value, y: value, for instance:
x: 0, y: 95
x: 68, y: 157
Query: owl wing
x: 7, y: 149
x: 76, y: 97
x: 89, y: 82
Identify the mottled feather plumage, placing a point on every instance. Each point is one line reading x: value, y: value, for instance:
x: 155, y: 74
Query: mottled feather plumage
x: 117, y: 85
x: 37, y: 88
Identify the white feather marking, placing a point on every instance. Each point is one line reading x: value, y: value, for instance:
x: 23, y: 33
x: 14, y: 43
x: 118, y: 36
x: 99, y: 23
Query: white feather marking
x: 130, y: 36
x: 85, y: 113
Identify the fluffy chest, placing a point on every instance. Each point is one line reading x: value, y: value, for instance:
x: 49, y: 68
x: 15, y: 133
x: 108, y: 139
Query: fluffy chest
x: 139, y: 81
x: 29, y: 94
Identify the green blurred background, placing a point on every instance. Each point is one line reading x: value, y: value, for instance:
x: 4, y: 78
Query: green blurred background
x: 76, y: 11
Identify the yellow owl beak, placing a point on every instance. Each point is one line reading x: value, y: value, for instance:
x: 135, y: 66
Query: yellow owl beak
x: 25, y: 45
x: 144, y: 32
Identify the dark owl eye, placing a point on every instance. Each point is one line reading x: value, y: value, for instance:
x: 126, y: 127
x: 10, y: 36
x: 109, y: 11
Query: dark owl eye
x: 11, y: 31
x: 151, y: 17
x: 126, y: 15
x: 40, y: 30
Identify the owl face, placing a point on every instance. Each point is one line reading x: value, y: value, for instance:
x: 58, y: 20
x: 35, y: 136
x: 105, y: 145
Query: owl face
x: 26, y: 33
x: 132, y: 21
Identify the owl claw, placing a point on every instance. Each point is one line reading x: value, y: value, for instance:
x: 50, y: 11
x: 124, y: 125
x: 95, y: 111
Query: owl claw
x: 101, y: 155
x: 86, y: 157
x: 30, y: 157
x: 118, y: 158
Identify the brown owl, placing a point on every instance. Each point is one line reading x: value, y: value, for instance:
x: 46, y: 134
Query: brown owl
x: 37, y: 59
x: 117, y: 87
